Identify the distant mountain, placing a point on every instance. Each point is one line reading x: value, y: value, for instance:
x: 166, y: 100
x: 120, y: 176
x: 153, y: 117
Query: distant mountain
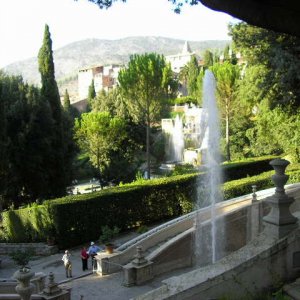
x: 92, y: 52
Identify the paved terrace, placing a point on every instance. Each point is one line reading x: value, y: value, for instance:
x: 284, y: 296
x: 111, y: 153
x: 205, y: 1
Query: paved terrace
x: 84, y: 283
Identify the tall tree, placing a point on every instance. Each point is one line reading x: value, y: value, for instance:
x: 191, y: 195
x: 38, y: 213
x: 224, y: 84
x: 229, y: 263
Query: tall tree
x: 91, y: 95
x: 99, y: 134
x: 112, y: 102
x: 25, y: 147
x: 70, y: 111
x: 67, y: 102
x: 146, y: 83
x: 227, y: 76
x: 208, y: 58
x: 59, y: 163
x: 275, y: 57
x: 193, y: 72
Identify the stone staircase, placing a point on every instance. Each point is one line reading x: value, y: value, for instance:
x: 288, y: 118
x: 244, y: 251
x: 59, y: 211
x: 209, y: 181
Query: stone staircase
x: 293, y: 289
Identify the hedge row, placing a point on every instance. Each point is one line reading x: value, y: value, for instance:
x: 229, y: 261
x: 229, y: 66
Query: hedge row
x: 263, y: 181
x: 251, y: 167
x: 76, y: 219
x: 79, y: 218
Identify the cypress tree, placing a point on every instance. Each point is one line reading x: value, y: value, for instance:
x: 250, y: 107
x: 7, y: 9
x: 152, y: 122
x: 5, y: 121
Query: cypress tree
x: 92, y: 91
x: 67, y: 103
x: 37, y: 147
x: 91, y: 95
x: 49, y: 93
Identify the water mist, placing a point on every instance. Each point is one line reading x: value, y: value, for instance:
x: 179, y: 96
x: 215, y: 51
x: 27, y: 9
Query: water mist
x: 177, y: 140
x: 209, y: 187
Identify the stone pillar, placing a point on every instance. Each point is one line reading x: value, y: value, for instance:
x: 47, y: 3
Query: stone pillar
x: 52, y: 287
x: 254, y: 196
x: 24, y: 288
x: 280, y: 218
x: 139, y: 270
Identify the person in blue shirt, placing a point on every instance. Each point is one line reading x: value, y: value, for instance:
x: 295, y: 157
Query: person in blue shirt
x: 92, y: 252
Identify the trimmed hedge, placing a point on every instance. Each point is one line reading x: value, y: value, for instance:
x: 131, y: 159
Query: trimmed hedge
x: 263, y: 181
x: 251, y: 167
x: 78, y: 218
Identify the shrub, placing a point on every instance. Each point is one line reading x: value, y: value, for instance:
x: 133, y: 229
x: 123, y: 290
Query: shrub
x: 108, y: 234
x: 22, y: 258
x: 142, y: 229
x: 247, y: 167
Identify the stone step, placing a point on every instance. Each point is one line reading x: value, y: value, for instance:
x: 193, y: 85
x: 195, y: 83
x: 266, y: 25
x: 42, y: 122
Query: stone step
x: 293, y: 289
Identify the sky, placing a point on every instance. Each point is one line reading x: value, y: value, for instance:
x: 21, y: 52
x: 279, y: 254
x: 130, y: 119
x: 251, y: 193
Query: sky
x: 22, y: 23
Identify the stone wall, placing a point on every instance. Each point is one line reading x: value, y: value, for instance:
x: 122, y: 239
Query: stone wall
x: 39, y: 248
x: 247, y: 272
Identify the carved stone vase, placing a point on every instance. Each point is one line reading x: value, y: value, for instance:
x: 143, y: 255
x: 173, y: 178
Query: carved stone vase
x: 280, y: 214
x: 24, y: 288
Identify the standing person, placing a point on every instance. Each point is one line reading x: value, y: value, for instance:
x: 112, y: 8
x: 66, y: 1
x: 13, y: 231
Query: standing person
x: 93, y: 249
x: 84, y: 258
x: 67, y: 263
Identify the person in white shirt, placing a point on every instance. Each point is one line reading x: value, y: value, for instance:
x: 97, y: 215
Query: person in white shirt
x: 67, y: 263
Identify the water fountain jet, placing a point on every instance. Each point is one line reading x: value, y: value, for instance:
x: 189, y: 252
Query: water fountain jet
x: 177, y: 140
x: 209, y: 189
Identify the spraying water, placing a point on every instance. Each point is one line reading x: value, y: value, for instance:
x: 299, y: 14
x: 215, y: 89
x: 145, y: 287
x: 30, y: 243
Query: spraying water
x: 209, y: 193
x: 177, y: 140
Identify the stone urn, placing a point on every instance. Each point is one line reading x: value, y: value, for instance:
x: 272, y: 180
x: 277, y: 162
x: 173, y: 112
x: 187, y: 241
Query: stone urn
x: 280, y: 202
x: 24, y: 288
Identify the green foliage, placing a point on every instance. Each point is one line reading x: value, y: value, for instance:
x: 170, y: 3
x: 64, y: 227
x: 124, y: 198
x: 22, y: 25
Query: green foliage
x: 61, y: 145
x: 275, y: 132
x: 227, y: 76
x: 112, y: 102
x: 142, y: 202
x: 108, y: 234
x: 66, y: 101
x: 158, y: 147
x: 103, y: 138
x: 91, y: 95
x: 270, y: 81
x: 183, y: 169
x: 208, y: 58
x: 32, y: 224
x: 246, y: 167
x: 124, y: 207
x: 186, y: 100
x: 192, y: 74
x: 146, y: 84
x: 22, y: 257
x: 173, y: 114
x: 275, y: 54
x: 242, y: 186
x: 83, y: 169
x: 142, y: 229
x: 24, y: 171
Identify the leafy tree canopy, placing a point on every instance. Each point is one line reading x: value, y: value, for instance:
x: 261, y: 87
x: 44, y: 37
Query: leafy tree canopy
x: 99, y: 135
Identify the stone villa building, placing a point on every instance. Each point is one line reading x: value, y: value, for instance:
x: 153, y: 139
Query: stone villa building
x: 105, y: 78
x: 178, y: 61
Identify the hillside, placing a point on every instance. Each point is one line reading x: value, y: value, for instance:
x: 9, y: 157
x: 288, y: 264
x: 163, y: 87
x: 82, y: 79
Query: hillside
x: 90, y: 52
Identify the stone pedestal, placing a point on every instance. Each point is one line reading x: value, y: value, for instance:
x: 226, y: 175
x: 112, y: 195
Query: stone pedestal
x: 53, y: 292
x: 52, y: 287
x: 24, y: 287
x: 139, y: 270
x: 280, y: 221
x: 254, y: 196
